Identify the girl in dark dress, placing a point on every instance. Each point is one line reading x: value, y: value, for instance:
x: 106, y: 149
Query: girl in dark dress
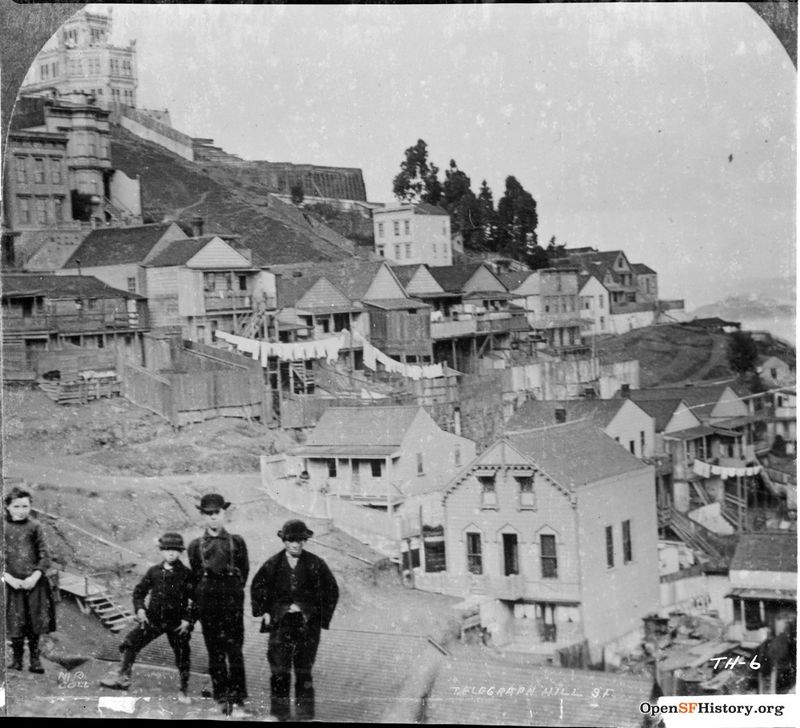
x: 30, y: 610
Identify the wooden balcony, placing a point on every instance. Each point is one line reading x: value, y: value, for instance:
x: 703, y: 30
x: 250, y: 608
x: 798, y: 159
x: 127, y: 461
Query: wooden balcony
x: 494, y: 322
x: 76, y: 323
x: 227, y: 301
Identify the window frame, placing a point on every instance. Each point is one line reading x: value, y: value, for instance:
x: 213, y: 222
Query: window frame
x: 609, y: 531
x: 488, y: 485
x: 474, y: 552
x: 627, y: 543
x: 548, y: 557
x: 522, y: 481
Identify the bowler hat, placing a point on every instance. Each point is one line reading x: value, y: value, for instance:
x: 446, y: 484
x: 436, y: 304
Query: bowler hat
x: 172, y: 541
x: 293, y: 530
x: 213, y: 502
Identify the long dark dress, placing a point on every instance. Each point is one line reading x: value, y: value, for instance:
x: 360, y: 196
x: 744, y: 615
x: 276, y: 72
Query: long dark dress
x: 28, y: 612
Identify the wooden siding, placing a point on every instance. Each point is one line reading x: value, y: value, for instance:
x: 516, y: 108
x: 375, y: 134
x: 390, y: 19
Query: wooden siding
x: 616, y: 599
x: 384, y: 285
x: 423, y: 282
x: 189, y: 290
x: 112, y: 275
x: 628, y: 425
x: 401, y: 332
x: 218, y: 254
x: 483, y: 280
x: 729, y: 405
x: 682, y: 419
x: 553, y: 514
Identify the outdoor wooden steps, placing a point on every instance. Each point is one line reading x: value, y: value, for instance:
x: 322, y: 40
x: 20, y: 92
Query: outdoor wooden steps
x: 113, y: 616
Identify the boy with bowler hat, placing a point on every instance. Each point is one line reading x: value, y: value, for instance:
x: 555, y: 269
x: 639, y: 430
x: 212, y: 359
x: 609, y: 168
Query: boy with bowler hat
x: 220, y: 568
x: 168, y: 611
x: 295, y: 594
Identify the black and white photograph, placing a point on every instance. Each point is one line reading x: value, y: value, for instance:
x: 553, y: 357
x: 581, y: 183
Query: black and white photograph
x: 392, y: 363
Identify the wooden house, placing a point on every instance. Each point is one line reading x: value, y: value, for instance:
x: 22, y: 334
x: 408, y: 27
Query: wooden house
x: 554, y: 530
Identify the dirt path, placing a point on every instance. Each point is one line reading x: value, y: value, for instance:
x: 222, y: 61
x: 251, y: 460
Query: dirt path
x: 50, y: 472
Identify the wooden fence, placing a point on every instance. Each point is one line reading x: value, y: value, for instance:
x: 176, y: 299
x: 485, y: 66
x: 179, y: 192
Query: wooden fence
x: 206, y: 383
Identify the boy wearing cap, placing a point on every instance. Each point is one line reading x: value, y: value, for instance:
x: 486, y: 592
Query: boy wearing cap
x: 169, y: 611
x: 295, y: 594
x: 220, y: 567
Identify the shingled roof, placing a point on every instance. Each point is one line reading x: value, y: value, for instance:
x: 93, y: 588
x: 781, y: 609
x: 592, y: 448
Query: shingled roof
x: 352, y: 277
x: 369, y: 430
x: 113, y: 246
x: 701, y: 399
x: 47, y: 284
x: 178, y: 252
x: 541, y: 413
x: 575, y: 453
x: 453, y: 278
x: 489, y: 691
x: 766, y: 552
x: 661, y: 410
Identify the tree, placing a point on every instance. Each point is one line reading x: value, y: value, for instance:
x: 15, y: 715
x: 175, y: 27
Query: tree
x: 742, y: 352
x: 487, y: 218
x: 297, y: 193
x: 460, y: 201
x: 517, y: 221
x: 418, y: 180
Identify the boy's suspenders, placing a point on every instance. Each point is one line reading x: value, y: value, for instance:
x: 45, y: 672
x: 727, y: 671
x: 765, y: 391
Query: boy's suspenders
x: 230, y: 557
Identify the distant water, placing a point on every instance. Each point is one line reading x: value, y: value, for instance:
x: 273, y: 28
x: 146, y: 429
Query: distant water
x: 784, y: 327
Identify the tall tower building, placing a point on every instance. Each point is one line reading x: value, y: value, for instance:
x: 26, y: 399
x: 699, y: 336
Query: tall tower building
x: 80, y: 62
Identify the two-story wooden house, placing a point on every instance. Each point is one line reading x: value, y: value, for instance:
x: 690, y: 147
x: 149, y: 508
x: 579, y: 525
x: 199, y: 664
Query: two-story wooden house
x: 555, y: 530
x: 43, y: 312
x: 712, y: 443
x: 382, y: 456
x: 472, y: 317
x: 550, y: 299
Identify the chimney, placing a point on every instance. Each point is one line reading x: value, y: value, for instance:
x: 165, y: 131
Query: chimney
x: 561, y: 415
x: 625, y: 391
x: 197, y: 226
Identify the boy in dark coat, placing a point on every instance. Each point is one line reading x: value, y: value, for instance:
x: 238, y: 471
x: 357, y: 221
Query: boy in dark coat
x: 30, y: 609
x: 169, y: 611
x: 220, y: 567
x: 295, y: 594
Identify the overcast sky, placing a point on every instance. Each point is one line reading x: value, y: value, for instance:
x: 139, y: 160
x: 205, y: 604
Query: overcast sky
x: 663, y: 129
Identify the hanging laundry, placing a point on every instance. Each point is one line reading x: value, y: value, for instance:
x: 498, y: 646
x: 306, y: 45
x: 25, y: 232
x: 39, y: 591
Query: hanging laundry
x: 369, y: 356
x: 413, y: 371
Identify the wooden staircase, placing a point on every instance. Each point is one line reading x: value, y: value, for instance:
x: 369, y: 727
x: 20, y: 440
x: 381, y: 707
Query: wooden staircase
x: 302, y: 375
x: 697, y: 536
x: 111, y: 614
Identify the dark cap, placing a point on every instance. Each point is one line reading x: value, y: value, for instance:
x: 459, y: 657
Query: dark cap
x: 294, y: 530
x: 213, y: 502
x: 172, y: 541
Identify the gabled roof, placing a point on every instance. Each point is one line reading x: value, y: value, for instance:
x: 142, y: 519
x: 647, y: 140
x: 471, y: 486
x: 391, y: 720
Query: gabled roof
x: 515, y: 279
x: 766, y: 552
x: 369, y: 430
x: 179, y: 252
x: 575, y: 453
x: 700, y: 399
x: 453, y: 278
x: 114, y: 246
x: 537, y: 695
x: 405, y: 273
x: 53, y: 286
x: 642, y: 269
x: 661, y: 410
x: 541, y: 413
x: 352, y: 277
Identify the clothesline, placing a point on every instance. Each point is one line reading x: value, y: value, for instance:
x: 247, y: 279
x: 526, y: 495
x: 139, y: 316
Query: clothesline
x: 706, y: 470
x: 329, y: 349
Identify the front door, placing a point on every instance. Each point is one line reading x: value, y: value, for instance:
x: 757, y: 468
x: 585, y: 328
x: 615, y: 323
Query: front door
x: 510, y: 554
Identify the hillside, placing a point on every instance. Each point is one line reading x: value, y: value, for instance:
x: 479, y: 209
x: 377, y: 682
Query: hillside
x: 177, y: 189
x: 736, y: 308
x: 669, y: 354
